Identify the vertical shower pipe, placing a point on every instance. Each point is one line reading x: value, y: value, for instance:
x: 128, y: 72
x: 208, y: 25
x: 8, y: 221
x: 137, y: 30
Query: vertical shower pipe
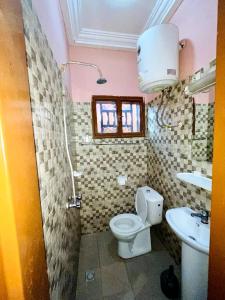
x: 100, y: 80
x: 67, y: 146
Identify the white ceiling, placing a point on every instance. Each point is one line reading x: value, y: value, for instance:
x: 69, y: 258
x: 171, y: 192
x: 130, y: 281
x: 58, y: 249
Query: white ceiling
x: 124, y: 16
x: 113, y: 23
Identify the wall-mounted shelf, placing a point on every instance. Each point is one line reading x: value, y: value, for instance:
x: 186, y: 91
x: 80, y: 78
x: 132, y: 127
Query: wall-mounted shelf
x: 202, y: 80
x: 197, y: 179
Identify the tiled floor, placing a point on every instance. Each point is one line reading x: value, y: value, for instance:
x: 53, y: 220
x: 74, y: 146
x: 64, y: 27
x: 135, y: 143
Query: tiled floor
x: 118, y: 279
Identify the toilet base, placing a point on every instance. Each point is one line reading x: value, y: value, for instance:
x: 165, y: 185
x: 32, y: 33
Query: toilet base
x: 141, y: 244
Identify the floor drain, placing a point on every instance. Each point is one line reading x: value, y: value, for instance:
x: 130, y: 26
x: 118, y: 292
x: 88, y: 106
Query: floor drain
x: 89, y: 276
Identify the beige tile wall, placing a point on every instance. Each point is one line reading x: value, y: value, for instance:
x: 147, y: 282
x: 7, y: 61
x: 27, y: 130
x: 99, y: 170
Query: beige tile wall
x: 170, y: 152
x: 103, y: 198
x: 153, y: 161
x: 61, y: 226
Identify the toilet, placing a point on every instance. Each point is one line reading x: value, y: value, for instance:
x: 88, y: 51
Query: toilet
x: 133, y: 231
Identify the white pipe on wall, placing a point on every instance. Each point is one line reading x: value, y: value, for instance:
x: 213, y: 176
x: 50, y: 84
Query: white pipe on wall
x: 100, y: 80
x: 67, y: 148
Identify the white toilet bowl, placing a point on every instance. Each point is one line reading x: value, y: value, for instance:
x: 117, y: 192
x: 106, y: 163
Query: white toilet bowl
x: 133, y: 231
x: 133, y: 236
x: 125, y: 226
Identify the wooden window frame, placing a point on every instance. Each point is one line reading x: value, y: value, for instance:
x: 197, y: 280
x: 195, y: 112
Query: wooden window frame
x: 119, y: 100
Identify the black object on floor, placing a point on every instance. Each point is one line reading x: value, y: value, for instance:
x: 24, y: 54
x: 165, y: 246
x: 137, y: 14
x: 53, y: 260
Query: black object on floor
x: 169, y: 283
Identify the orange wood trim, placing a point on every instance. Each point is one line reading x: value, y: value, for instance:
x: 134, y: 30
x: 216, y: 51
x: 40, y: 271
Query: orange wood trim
x: 3, y: 293
x: 217, y: 243
x: 22, y: 255
x: 119, y: 116
x: 119, y: 100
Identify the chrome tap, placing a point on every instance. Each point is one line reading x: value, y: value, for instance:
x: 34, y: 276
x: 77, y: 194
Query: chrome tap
x: 74, y: 202
x: 78, y: 201
x: 204, y: 215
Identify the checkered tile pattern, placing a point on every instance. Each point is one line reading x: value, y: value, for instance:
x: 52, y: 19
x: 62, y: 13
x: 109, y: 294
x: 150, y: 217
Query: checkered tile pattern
x: 103, y: 198
x: 169, y: 152
x: 61, y: 227
x: 202, y: 146
x: 155, y: 163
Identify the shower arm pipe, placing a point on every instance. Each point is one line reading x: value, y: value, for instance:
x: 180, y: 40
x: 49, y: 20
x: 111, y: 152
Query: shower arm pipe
x: 101, y: 80
x: 81, y: 63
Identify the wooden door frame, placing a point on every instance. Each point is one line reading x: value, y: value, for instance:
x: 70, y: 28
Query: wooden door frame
x: 23, y: 269
x: 216, y: 286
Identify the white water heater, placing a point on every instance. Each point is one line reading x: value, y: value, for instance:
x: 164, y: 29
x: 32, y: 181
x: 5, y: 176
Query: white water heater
x: 158, y: 58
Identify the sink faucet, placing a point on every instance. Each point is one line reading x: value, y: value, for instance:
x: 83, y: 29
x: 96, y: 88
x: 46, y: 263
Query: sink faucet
x: 204, y: 215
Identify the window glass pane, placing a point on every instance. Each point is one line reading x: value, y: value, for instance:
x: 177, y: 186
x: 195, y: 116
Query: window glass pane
x: 130, y: 117
x: 106, y: 117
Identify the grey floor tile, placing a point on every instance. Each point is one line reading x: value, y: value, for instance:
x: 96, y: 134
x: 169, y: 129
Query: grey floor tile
x: 114, y: 279
x: 137, y: 265
x: 156, y: 243
x: 89, y: 256
x: 107, y: 246
x: 145, y: 295
x: 137, y: 278
x: 144, y: 274
x: 91, y: 290
x: 81, y: 295
x: 148, y: 289
x: 121, y: 296
x: 88, y: 240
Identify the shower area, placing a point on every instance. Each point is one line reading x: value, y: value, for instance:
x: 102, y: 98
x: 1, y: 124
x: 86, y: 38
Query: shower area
x: 50, y: 103
x: 53, y: 118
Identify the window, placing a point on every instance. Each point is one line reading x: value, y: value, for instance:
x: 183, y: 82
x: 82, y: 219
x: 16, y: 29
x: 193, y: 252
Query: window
x: 118, y: 116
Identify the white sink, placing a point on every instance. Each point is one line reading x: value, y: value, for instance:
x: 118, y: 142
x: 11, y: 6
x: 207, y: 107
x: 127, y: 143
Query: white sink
x: 195, y: 251
x: 197, y: 179
x: 189, y: 229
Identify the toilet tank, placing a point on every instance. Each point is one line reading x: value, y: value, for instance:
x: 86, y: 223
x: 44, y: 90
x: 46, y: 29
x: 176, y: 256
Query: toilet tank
x: 154, y: 206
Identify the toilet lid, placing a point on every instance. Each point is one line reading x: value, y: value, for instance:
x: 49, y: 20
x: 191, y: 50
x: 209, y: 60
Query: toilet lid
x: 141, y: 204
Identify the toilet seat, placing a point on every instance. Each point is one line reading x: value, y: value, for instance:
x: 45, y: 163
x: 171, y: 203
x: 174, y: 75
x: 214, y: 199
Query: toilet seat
x: 125, y: 224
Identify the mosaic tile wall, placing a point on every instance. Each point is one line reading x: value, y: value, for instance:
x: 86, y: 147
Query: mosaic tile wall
x: 61, y: 226
x: 169, y: 152
x: 202, y: 143
x: 103, y: 198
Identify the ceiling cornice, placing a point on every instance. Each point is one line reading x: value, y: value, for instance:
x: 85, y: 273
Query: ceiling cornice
x: 78, y: 35
x: 162, y: 12
x: 106, y: 39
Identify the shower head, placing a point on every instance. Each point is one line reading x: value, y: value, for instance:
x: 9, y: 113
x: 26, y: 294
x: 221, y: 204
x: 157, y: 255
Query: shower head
x: 101, y: 79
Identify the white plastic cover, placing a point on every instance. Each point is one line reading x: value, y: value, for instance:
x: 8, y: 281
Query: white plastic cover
x: 158, y: 58
x: 152, y: 195
x: 149, y: 205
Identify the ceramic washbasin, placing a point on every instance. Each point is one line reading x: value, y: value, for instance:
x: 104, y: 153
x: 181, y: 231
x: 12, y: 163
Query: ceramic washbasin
x: 189, y: 229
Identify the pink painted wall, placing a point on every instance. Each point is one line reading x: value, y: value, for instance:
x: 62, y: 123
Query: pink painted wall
x: 197, y: 23
x: 51, y: 20
x: 118, y: 67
